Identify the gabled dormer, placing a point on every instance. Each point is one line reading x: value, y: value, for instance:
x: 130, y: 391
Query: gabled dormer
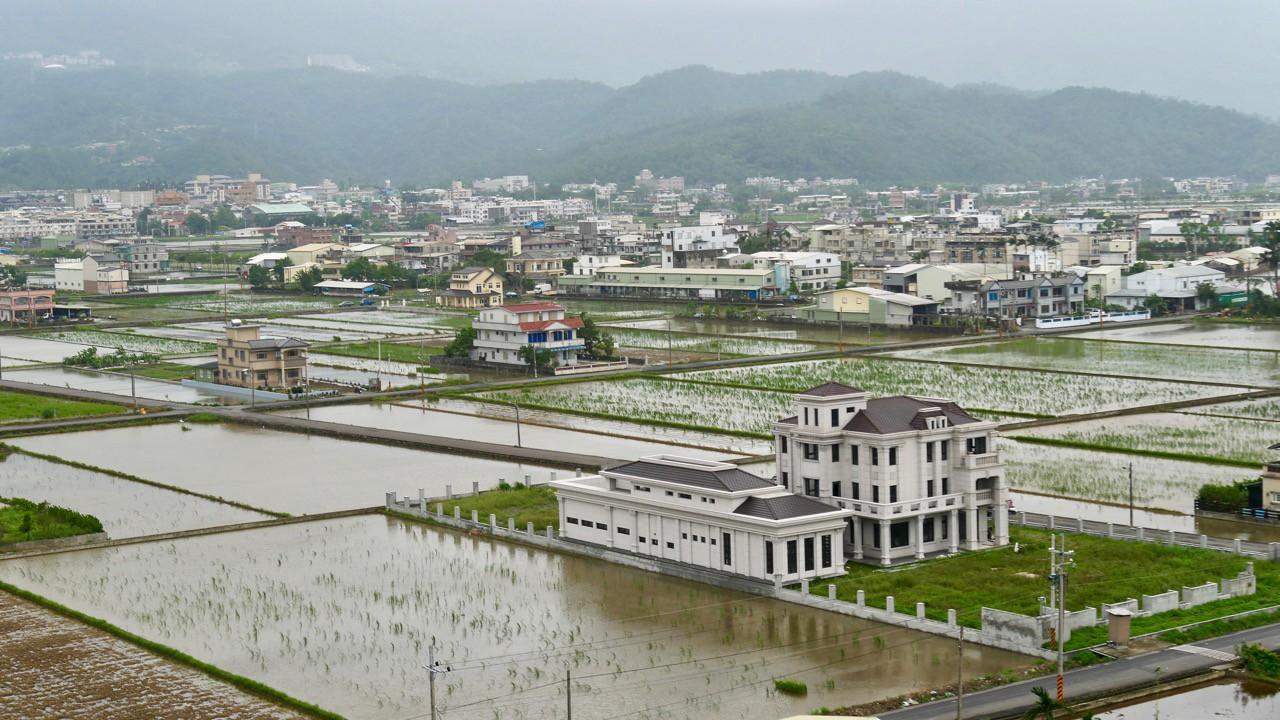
x: 827, y: 407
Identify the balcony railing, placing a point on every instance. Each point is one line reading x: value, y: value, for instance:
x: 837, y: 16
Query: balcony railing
x: 974, y: 462
x: 904, y: 507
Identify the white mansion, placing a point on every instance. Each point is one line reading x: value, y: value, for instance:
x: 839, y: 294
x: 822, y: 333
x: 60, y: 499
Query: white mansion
x: 920, y: 475
x: 704, y: 513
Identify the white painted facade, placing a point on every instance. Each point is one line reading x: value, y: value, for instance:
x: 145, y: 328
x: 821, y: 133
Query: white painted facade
x: 704, y: 513
x: 808, y: 270
x: 501, y: 332
x: 921, y: 475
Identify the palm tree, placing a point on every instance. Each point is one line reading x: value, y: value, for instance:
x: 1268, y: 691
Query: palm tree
x: 1046, y: 705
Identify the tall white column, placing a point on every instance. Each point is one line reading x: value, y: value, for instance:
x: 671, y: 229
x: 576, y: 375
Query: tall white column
x: 1001, y: 512
x: 953, y: 530
x: 857, y: 537
x: 884, y: 542
x: 919, y: 537
x: 971, y: 526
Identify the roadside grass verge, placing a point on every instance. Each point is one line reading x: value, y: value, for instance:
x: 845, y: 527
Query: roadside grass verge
x: 16, y: 406
x: 1220, y: 627
x: 1161, y: 454
x: 239, y: 681
x: 1106, y: 571
x: 6, y: 450
x: 393, y: 352
x: 42, y: 521
x: 525, y: 504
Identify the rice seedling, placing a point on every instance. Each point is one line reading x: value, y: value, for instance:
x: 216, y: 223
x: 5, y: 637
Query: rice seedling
x: 341, y: 613
x: 1226, y: 365
x: 1182, y: 435
x: 130, y: 342
x: 728, y: 346
x: 997, y: 389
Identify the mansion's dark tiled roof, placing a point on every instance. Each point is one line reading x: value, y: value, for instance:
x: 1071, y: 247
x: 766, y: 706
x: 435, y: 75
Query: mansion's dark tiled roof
x: 831, y: 389
x: 727, y: 479
x: 902, y: 413
x: 782, y: 507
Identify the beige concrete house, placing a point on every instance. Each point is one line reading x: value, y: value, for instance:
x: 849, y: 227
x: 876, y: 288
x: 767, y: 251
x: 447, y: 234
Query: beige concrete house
x: 246, y: 359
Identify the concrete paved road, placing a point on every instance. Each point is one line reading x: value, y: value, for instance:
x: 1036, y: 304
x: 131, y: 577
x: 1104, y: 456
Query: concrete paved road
x: 1097, y: 681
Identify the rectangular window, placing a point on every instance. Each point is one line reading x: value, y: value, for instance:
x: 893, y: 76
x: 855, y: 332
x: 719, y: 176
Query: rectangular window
x: 684, y: 536
x: 792, y: 566
x: 856, y: 489
x: 927, y: 526
x: 810, y: 451
x: 643, y: 540
x: 624, y: 531
x: 943, y: 447
x: 768, y: 558
x: 670, y: 494
x: 976, y: 445
x: 899, y: 534
x: 601, y: 526
x: 786, y: 477
x: 835, y: 417
x: 942, y: 523
x: 928, y: 452
x: 835, y: 453
x: 875, y: 493
x: 826, y: 551
x: 782, y: 445
x: 726, y: 547
x: 642, y: 488
x: 654, y: 541
x: 875, y: 456
x: 806, y: 416
x: 671, y: 546
x: 808, y: 553
x: 893, y: 456
x: 893, y: 493
x: 946, y: 486
x: 811, y: 487
x: 835, y: 488
x: 571, y: 520
x: 875, y: 537
x: 928, y: 492
x: 684, y: 496
x: 853, y: 454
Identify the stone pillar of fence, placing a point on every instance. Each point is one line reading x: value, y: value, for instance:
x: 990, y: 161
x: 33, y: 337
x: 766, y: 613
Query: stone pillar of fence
x: 493, y: 521
x: 550, y: 530
x: 1140, y: 534
x: 862, y: 598
x: 1236, y: 546
x: 831, y: 592
x: 1080, y: 525
x: 528, y: 528
x: 511, y: 524
x: 1275, y: 551
x: 1050, y: 522
x: 1022, y: 518
x: 553, y: 476
x: 475, y: 487
x: 1173, y: 538
x: 457, y: 513
x: 919, y: 611
x: 1111, y: 530
x: 577, y: 472
x: 448, y: 492
x: 475, y: 516
x: 951, y: 617
x: 528, y: 479
x: 888, y: 604
x: 391, y: 499
x: 440, y: 509
x: 804, y: 586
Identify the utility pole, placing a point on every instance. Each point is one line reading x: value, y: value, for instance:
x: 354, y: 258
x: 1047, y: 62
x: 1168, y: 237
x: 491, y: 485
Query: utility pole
x: 133, y: 390
x: 1130, y: 494
x: 379, y: 368
x: 568, y: 695
x: 960, y: 674
x: 668, y: 341
x: 434, y: 668
x: 517, y: 407
x: 1062, y: 558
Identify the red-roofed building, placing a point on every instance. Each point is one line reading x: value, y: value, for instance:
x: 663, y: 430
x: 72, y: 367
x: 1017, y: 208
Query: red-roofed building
x: 502, y: 331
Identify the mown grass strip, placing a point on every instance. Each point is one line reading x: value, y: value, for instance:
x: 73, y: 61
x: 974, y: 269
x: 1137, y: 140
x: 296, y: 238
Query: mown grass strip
x: 240, y: 682
x: 6, y: 449
x: 1220, y: 627
x: 1160, y: 454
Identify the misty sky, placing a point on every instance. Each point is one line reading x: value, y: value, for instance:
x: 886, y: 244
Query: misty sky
x: 1211, y: 51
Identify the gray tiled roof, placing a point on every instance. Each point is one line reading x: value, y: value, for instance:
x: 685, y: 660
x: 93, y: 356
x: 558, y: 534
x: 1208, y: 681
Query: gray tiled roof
x: 830, y: 389
x: 782, y: 507
x: 900, y: 413
x: 726, y: 480
x: 276, y: 343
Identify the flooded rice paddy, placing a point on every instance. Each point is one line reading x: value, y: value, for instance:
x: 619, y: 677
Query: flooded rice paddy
x: 278, y: 471
x: 342, y: 613
x: 126, y: 508
x: 56, y: 668
x: 116, y: 383
x: 18, y: 350
x: 1015, y: 390
x: 1235, y: 439
x: 1228, y: 700
x: 335, y: 327
x: 1203, y: 364
x: 1200, y: 333
x: 428, y: 421
x: 1104, y: 477
x: 848, y: 334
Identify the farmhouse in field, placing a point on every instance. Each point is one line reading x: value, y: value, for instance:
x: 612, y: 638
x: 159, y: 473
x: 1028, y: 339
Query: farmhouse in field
x: 920, y: 475
x: 705, y: 513
x: 502, y: 331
